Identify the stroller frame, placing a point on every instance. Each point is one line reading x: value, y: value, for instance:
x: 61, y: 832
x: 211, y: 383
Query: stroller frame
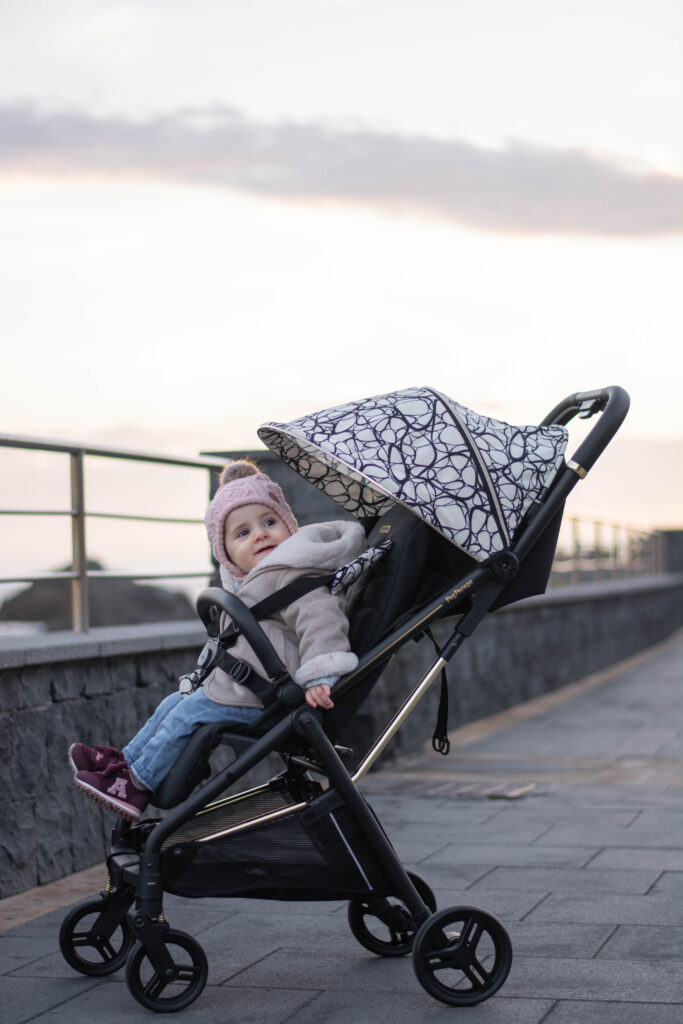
x: 140, y: 936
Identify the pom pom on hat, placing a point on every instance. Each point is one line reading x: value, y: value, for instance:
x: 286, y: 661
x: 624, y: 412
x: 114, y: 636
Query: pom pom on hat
x: 237, y: 470
x: 242, y: 483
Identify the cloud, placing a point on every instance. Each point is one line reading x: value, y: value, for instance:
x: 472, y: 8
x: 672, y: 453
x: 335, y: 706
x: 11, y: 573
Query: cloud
x: 521, y: 188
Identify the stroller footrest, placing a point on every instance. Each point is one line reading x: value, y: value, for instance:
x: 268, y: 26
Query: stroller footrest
x: 124, y: 868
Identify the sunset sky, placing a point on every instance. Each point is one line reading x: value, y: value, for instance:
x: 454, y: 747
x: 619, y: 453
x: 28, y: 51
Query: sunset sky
x: 218, y: 213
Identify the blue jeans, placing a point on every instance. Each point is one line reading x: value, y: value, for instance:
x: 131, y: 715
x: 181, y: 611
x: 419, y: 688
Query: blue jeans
x: 155, y: 748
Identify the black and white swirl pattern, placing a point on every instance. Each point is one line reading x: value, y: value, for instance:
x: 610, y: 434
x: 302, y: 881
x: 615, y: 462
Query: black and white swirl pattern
x: 352, y: 571
x: 471, y: 477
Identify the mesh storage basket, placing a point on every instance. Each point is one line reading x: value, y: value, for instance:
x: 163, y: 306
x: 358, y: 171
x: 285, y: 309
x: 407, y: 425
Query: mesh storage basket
x: 269, y: 845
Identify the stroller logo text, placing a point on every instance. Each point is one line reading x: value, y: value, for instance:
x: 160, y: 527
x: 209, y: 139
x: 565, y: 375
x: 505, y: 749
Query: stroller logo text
x: 459, y: 591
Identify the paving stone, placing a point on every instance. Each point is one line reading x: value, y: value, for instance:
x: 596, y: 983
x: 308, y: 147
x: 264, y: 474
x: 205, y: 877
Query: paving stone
x: 620, y: 857
x: 654, y: 942
x: 661, y: 821
x: 510, y: 855
x: 507, y: 905
x: 669, y: 881
x: 650, y: 909
x: 584, y: 1012
x: 570, y: 941
x: 359, y: 971
x: 16, y: 951
x: 588, y: 880
x: 48, y: 924
x: 406, y: 812
x: 517, y: 832
x: 52, y: 966
x: 547, y: 811
x: 607, y: 980
x: 235, y: 945
x: 21, y: 1002
x: 216, y: 1003
x: 370, y: 1008
x: 589, y: 835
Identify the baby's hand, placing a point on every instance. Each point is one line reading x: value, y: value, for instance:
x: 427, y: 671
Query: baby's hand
x: 319, y: 696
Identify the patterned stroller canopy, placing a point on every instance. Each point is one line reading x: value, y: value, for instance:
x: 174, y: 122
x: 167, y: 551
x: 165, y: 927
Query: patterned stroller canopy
x: 472, y: 478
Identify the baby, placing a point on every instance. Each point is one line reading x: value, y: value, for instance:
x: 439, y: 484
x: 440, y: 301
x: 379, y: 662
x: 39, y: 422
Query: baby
x: 260, y: 549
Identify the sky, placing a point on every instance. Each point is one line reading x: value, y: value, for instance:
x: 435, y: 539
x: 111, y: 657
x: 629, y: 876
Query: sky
x: 219, y: 213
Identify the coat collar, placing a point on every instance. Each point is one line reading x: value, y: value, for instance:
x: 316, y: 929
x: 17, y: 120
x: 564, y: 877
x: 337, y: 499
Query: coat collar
x: 319, y: 546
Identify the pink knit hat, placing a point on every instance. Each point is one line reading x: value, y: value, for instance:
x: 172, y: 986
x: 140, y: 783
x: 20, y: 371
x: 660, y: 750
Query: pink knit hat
x: 242, y: 484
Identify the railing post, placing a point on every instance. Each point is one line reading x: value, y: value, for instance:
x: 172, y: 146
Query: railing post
x: 80, y: 615
x: 615, y: 551
x: 597, y: 550
x: 576, y: 552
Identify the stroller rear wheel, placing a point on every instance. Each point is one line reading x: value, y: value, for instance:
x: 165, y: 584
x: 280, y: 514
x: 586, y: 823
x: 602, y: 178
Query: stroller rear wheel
x: 462, y: 955
x: 184, y: 983
x: 384, y: 925
x: 91, y: 946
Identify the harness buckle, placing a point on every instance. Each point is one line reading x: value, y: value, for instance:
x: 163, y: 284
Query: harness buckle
x: 239, y: 671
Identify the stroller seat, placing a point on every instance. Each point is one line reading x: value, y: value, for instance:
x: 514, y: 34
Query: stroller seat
x: 417, y: 566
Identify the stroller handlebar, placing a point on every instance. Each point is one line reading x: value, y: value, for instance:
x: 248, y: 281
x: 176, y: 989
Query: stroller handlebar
x: 612, y: 403
x: 247, y: 624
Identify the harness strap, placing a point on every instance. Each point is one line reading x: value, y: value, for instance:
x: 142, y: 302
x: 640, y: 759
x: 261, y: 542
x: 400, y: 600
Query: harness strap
x: 214, y: 654
x: 288, y: 595
x: 244, y: 674
x: 440, y: 741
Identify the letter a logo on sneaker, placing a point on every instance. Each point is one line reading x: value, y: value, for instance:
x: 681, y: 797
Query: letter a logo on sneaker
x: 119, y: 788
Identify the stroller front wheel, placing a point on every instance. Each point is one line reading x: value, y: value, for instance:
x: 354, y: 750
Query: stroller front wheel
x: 462, y: 955
x: 88, y: 945
x: 166, y: 994
x: 384, y: 925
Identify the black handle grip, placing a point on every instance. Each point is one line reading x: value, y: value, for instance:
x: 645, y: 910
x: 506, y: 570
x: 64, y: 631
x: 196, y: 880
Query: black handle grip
x: 246, y: 622
x: 612, y: 403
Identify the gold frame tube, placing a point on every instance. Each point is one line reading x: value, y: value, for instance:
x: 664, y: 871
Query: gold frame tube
x: 235, y: 798
x: 271, y: 816
x: 398, y: 719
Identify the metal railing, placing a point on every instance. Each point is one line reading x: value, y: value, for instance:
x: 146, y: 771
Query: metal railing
x: 80, y: 574
x: 595, y: 550
x: 588, y: 550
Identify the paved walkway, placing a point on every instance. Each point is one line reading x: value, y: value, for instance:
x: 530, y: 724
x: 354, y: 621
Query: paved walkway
x: 564, y: 817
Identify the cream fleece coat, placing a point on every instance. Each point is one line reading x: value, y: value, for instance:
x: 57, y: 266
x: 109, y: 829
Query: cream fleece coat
x: 310, y: 635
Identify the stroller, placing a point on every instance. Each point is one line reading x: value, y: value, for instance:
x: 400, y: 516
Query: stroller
x: 471, y: 507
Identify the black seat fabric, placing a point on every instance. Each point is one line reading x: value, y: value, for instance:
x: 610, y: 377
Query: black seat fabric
x: 418, y: 566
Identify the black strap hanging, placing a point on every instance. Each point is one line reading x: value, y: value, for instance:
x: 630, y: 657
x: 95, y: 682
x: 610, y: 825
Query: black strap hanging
x: 440, y: 741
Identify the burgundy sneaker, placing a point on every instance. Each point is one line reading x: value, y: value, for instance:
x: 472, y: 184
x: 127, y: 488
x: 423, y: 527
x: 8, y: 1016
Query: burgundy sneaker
x: 93, y: 759
x: 114, y: 789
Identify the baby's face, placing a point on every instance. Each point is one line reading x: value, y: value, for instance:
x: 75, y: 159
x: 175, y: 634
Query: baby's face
x: 252, y: 532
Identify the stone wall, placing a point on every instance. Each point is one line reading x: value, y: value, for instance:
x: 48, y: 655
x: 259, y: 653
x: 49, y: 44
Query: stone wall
x: 100, y: 687
x: 58, y: 689
x: 522, y: 651
x: 673, y: 550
